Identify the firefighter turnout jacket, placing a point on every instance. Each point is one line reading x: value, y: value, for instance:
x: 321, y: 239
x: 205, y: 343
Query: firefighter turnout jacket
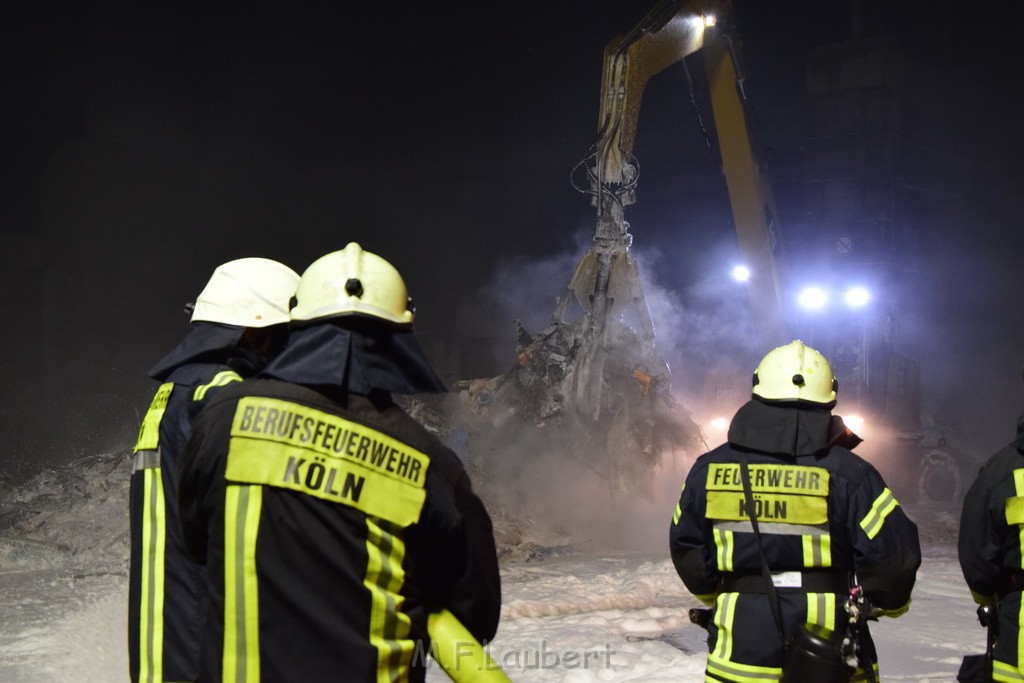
x: 991, y: 534
x: 825, y: 516
x: 331, y: 524
x: 165, y: 586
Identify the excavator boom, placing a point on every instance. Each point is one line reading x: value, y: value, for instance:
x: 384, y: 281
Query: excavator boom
x: 672, y: 31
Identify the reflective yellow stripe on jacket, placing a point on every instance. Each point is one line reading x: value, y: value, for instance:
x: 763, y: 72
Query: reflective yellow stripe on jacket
x: 154, y: 538
x: 720, y: 662
x: 151, y: 609
x: 880, y: 509
x: 1011, y: 518
x: 241, y: 658
x: 1001, y: 671
x: 678, y: 514
x: 725, y: 614
x: 724, y: 545
x: 389, y: 627
x: 219, y: 380
x: 149, y: 432
x: 817, y: 550
x: 821, y: 610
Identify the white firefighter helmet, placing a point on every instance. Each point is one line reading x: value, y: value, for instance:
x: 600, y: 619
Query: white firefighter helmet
x: 795, y: 372
x: 248, y: 292
x: 352, y: 282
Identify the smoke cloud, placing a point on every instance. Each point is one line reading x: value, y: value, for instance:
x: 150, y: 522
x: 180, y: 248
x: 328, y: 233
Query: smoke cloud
x: 542, y: 476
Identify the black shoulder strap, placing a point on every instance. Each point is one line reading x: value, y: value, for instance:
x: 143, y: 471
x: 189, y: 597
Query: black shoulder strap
x: 773, y: 597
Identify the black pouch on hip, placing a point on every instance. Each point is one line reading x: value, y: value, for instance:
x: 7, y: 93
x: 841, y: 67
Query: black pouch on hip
x: 815, y: 653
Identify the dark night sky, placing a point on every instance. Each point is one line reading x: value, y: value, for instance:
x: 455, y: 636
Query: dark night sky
x: 146, y: 143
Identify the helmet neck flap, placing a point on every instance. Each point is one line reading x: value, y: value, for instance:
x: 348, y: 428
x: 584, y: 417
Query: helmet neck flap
x: 357, y: 357
x: 788, y: 428
x: 204, y: 342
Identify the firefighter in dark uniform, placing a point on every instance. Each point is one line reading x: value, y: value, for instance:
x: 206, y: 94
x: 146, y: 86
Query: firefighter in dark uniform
x: 239, y: 320
x: 825, y: 515
x: 332, y: 523
x: 991, y: 535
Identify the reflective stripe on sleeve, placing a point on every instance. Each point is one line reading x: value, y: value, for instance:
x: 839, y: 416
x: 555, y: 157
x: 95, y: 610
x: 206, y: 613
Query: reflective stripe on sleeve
x: 149, y: 432
x: 389, y: 626
x: 146, y: 459
x: 880, y: 509
x: 679, y: 509
x: 898, y: 612
x: 151, y: 608
x: 220, y: 379
x: 241, y: 657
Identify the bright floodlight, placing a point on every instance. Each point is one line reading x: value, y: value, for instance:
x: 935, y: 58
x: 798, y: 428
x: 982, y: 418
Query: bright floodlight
x: 813, y: 298
x: 741, y: 273
x: 710, y: 20
x: 854, y: 422
x: 857, y: 297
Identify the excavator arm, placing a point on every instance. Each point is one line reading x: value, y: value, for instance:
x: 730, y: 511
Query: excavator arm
x: 672, y: 31
x: 750, y: 193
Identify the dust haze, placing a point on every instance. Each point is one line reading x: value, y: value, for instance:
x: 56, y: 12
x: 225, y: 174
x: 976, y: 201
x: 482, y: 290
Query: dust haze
x: 562, y: 494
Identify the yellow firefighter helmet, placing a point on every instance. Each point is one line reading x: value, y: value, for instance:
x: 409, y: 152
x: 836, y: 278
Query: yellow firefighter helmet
x: 352, y: 282
x: 248, y: 292
x: 795, y: 372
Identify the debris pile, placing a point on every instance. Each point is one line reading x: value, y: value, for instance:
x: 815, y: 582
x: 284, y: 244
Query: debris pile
x: 74, y: 517
x: 550, y: 461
